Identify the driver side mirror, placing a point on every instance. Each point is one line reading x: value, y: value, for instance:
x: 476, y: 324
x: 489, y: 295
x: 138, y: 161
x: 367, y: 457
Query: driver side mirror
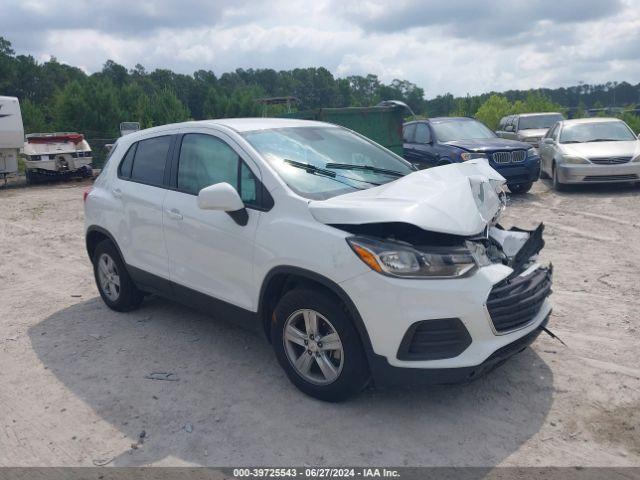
x: 222, y: 196
x: 509, y: 128
x: 548, y: 140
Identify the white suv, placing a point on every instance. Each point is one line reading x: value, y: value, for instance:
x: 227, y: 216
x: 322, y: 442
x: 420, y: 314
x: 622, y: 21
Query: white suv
x: 356, y: 266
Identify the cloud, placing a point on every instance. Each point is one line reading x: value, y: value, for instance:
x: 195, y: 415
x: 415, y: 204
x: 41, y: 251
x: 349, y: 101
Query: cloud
x: 454, y: 46
x: 483, y: 20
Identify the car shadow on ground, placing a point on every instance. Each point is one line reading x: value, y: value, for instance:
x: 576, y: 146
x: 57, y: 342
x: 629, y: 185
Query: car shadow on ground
x: 231, y: 404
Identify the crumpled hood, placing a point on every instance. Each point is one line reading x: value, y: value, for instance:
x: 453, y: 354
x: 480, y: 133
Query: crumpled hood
x: 459, y: 199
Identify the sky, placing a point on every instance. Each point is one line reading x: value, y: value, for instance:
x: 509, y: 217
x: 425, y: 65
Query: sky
x: 457, y: 46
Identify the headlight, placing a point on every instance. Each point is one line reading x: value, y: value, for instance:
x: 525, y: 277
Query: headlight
x: 532, y: 152
x: 401, y: 260
x: 573, y: 159
x: 471, y: 155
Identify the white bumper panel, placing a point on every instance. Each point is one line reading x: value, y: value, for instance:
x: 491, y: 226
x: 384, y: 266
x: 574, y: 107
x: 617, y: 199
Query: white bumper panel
x: 388, y: 306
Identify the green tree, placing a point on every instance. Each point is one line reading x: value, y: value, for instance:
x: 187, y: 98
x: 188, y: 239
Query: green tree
x: 491, y: 111
x: 166, y: 107
x: 32, y: 117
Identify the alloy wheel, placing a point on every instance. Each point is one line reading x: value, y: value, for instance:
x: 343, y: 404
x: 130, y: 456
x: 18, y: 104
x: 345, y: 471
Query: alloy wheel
x: 109, y: 277
x: 313, y: 347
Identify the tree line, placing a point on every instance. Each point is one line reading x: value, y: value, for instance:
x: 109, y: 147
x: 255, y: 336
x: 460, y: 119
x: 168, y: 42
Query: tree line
x: 59, y: 97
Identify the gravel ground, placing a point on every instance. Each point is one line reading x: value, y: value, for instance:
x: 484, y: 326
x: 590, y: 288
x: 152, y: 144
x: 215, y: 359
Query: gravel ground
x: 74, y: 391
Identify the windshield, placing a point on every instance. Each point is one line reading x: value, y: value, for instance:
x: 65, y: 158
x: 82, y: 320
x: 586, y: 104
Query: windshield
x: 538, y: 121
x: 596, y: 132
x: 460, y: 130
x: 322, y: 162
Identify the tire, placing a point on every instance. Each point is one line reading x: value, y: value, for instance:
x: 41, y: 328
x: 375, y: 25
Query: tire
x: 115, y: 285
x: 295, y: 309
x: 543, y: 174
x: 30, y: 178
x: 557, y: 184
x: 518, y: 188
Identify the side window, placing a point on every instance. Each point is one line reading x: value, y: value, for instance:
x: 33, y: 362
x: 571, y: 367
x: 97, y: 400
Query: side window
x: 124, y: 170
x: 408, y: 132
x: 503, y: 123
x: 248, y: 187
x: 150, y: 159
x: 206, y: 160
x: 552, y: 131
x: 422, y: 133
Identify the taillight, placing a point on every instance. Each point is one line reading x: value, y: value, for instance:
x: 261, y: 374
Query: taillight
x: 86, y: 194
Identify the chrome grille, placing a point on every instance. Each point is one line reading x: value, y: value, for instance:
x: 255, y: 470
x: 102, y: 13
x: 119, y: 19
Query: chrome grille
x: 518, y: 156
x: 610, y: 160
x: 515, y: 156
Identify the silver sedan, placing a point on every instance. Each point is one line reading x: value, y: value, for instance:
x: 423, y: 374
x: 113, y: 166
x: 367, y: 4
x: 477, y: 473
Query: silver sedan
x: 590, y: 150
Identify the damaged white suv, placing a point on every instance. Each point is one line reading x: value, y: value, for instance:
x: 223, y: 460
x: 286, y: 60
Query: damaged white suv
x: 357, y: 267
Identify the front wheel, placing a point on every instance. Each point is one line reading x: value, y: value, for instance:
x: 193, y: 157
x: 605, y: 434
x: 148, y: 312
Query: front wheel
x: 318, y: 346
x: 518, y: 188
x: 557, y: 184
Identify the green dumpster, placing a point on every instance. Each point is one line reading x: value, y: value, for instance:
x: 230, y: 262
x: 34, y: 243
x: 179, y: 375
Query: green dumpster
x: 383, y: 125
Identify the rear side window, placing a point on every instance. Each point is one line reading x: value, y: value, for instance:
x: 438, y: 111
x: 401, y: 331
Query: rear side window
x: 206, y: 160
x: 150, y: 159
x: 127, y: 162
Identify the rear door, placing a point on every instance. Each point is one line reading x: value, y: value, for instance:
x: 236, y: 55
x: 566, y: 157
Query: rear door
x: 141, y: 189
x: 209, y: 251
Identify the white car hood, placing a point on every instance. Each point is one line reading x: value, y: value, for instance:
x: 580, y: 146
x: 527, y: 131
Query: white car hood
x: 603, y: 149
x: 460, y: 199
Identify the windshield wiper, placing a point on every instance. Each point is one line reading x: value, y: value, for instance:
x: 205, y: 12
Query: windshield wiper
x: 312, y: 169
x: 349, y: 166
x: 604, y: 140
x: 572, y: 141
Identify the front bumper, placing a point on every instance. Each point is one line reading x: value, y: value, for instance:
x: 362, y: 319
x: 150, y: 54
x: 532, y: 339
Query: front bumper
x: 386, y: 375
x: 592, y: 173
x: 399, y: 303
x: 526, y: 172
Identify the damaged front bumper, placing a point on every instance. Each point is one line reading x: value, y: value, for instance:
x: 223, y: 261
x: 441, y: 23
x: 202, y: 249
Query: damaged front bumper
x: 452, y: 330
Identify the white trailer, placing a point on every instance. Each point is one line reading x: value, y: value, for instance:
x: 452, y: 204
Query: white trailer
x: 11, y: 135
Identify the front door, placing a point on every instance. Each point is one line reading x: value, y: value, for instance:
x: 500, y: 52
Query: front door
x: 424, y: 152
x: 210, y: 252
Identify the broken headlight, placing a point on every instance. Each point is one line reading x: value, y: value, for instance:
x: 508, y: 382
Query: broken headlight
x: 398, y: 259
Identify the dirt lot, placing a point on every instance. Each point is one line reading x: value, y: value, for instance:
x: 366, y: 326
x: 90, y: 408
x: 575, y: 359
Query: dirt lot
x: 74, y: 391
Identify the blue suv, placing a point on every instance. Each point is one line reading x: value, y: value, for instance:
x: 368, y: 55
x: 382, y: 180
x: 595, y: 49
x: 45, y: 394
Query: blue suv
x: 443, y: 140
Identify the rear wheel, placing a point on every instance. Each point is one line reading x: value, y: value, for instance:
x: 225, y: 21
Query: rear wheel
x: 520, y: 187
x: 317, y: 345
x: 112, y: 279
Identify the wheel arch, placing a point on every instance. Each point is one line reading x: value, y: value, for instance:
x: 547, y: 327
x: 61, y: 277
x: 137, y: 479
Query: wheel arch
x: 282, y: 279
x: 94, y: 236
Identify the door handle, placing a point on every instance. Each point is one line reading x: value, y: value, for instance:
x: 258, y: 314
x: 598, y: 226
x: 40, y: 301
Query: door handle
x: 175, y: 214
x: 117, y: 192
